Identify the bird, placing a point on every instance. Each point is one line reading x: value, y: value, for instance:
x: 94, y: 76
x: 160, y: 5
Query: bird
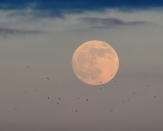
x: 111, y: 110
x: 47, y: 78
x: 76, y: 110
x: 154, y: 96
x: 87, y: 99
x: 59, y: 98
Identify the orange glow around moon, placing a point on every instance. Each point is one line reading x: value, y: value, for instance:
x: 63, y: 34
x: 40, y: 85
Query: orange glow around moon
x: 95, y: 62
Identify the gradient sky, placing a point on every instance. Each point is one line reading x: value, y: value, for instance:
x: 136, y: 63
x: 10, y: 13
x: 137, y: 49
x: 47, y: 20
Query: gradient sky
x: 38, y: 89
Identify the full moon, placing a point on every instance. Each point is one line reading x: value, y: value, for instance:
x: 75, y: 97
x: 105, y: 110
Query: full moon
x: 95, y: 62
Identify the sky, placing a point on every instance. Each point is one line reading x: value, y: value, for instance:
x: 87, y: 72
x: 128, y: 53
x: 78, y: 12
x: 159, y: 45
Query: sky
x: 38, y: 89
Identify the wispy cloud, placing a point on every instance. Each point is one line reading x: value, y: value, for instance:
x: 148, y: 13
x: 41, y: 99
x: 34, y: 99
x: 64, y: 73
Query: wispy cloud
x: 11, y: 31
x: 110, y: 22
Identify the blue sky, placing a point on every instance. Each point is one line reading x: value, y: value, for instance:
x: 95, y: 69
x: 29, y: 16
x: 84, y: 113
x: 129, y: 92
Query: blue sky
x: 79, y: 5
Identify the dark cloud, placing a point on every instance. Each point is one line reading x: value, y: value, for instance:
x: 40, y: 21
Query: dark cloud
x: 11, y: 31
x: 110, y: 22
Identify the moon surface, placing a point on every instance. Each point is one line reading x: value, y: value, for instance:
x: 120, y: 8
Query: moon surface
x: 95, y: 62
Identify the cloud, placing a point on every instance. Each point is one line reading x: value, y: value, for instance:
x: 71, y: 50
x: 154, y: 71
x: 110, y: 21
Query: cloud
x: 30, y: 21
x: 12, y: 31
x: 110, y: 22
